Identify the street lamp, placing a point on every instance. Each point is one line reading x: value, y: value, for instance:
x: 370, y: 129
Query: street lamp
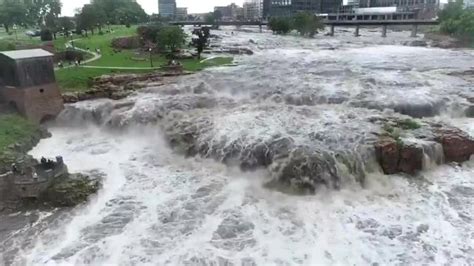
x: 151, y: 58
x: 15, y: 28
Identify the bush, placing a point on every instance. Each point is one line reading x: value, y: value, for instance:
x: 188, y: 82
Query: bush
x: 131, y: 42
x: 457, y: 21
x: 171, y: 38
x: 149, y: 33
x: 46, y: 35
x: 7, y: 46
x: 307, y: 24
x: 280, y: 25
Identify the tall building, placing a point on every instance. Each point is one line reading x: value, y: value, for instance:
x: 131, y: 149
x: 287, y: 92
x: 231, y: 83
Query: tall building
x: 289, y: 7
x: 181, y: 13
x: 167, y: 8
x: 253, y: 10
x: 421, y: 9
x: 469, y: 4
x: 230, y: 12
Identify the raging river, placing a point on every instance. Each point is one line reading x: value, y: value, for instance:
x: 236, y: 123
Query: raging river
x: 182, y: 184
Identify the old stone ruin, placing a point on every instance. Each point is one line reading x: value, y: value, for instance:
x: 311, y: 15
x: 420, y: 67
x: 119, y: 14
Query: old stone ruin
x: 48, y: 182
x: 28, y: 84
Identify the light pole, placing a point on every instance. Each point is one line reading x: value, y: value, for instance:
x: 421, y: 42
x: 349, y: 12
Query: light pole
x: 15, y: 28
x: 151, y: 58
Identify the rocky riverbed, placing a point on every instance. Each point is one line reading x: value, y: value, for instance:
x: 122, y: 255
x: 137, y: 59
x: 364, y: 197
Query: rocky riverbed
x: 372, y: 136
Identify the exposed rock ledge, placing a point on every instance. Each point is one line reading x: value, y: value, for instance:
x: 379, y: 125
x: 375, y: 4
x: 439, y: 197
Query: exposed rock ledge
x: 440, y: 144
x: 119, y: 86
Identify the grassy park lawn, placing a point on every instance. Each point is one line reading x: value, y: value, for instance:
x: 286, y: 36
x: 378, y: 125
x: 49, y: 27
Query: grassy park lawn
x: 12, y: 41
x: 79, y: 78
x: 14, y: 128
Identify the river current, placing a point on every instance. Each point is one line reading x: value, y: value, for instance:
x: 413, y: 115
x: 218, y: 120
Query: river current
x: 160, y: 207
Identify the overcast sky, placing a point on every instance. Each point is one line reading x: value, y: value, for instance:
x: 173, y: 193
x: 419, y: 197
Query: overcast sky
x: 151, y: 6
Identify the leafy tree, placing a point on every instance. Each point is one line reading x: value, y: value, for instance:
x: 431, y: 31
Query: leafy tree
x: 457, y: 21
x: 89, y: 18
x: 452, y: 10
x: 280, y: 25
x: 171, y: 37
x: 66, y: 24
x: 123, y: 12
x: 44, y: 13
x: 210, y: 18
x: 46, y: 35
x: 13, y: 13
x: 201, y: 42
x: 307, y: 24
x: 149, y: 33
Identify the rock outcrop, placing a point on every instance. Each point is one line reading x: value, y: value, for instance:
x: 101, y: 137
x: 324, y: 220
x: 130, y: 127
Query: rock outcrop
x: 119, y: 86
x: 457, y: 145
x: 70, y: 191
x: 395, y: 155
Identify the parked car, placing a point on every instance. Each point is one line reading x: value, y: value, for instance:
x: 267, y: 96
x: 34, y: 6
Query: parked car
x: 33, y: 33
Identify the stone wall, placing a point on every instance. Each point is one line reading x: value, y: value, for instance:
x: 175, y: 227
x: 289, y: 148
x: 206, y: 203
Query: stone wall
x: 36, y: 103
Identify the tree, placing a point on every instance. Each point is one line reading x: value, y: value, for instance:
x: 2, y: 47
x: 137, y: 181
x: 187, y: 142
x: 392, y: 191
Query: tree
x: 171, y: 37
x: 123, y: 12
x: 307, y: 24
x: 90, y: 18
x: 66, y: 24
x: 201, y: 42
x: 43, y: 13
x: 13, y: 13
x: 280, y: 25
x: 455, y: 20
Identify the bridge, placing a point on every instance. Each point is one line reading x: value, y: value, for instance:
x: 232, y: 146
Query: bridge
x: 331, y: 23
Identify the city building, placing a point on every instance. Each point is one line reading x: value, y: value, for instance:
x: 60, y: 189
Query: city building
x: 289, y: 7
x: 230, y: 12
x: 419, y: 9
x: 253, y: 10
x: 469, y: 4
x: 181, y: 13
x: 28, y: 84
x: 167, y: 8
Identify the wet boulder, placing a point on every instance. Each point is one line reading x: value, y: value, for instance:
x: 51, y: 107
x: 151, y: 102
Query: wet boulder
x: 388, y: 154
x: 70, y: 191
x: 304, y: 170
x: 458, y: 146
x: 416, y: 43
x: 470, y: 111
x: 395, y: 156
x: 411, y: 159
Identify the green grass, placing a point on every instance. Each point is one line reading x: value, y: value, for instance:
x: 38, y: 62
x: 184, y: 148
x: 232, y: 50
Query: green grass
x: 79, y: 79
x: 14, y: 128
x: 408, y: 124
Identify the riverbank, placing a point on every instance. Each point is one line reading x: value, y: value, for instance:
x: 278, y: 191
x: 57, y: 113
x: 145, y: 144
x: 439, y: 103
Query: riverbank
x: 119, y: 61
x: 17, y: 137
x: 442, y: 40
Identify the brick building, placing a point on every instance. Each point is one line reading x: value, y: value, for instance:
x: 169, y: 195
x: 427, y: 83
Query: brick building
x: 27, y: 82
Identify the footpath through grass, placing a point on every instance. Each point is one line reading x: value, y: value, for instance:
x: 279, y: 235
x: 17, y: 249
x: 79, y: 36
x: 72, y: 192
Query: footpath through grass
x: 79, y: 78
x: 13, y: 129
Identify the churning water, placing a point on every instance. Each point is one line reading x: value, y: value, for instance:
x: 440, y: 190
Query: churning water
x: 161, y: 207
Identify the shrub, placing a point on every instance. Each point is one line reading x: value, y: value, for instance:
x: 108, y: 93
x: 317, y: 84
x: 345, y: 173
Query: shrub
x: 7, y: 46
x: 307, y: 24
x: 149, y: 33
x: 171, y: 37
x: 46, y: 35
x: 131, y: 42
x: 457, y: 21
x: 280, y: 25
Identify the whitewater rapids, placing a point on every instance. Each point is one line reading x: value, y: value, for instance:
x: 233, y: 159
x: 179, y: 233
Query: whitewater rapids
x: 159, y: 207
